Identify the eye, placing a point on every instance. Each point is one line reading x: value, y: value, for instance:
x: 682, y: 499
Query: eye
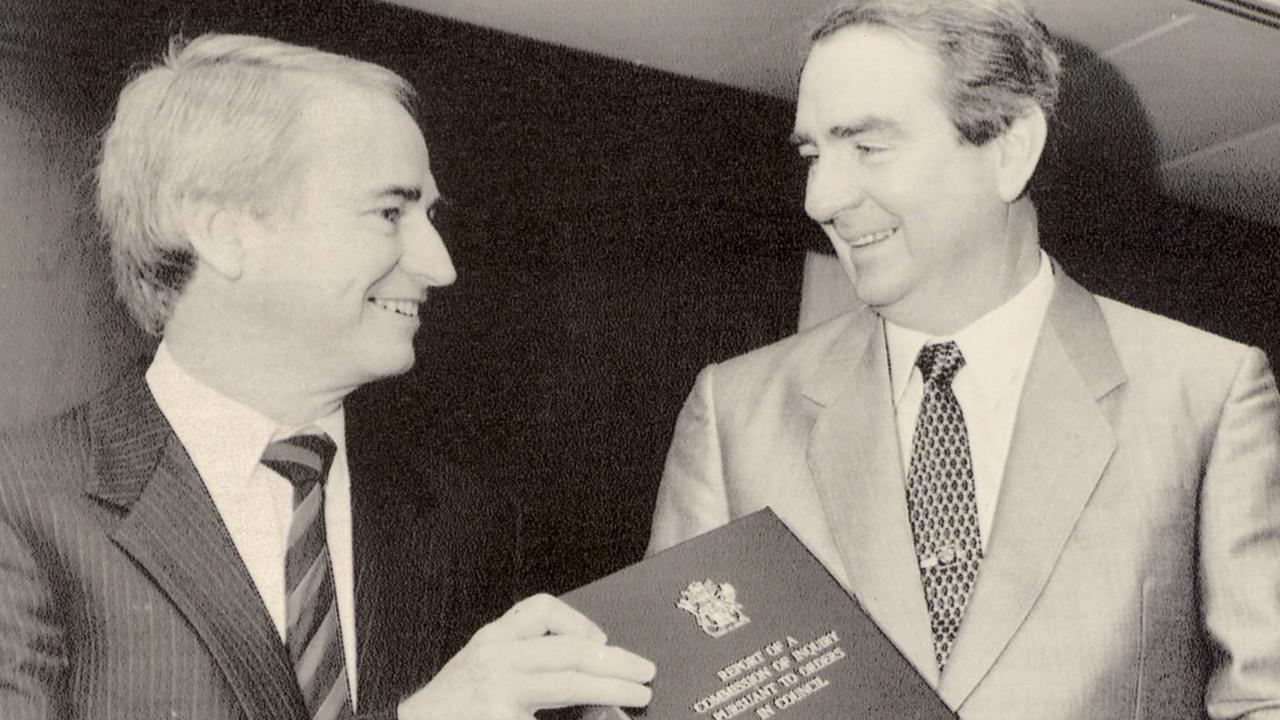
x: 445, y: 215
x: 808, y: 157
x: 868, y: 149
x: 392, y: 214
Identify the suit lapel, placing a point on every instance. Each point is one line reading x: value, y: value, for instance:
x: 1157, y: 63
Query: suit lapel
x: 170, y: 527
x: 854, y: 458
x: 1061, y: 444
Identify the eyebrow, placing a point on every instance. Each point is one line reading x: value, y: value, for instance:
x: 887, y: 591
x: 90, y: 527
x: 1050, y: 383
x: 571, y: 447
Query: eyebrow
x: 798, y: 138
x: 405, y: 192
x: 872, y: 123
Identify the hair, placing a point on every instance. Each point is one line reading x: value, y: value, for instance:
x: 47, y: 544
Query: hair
x: 209, y: 123
x: 996, y: 56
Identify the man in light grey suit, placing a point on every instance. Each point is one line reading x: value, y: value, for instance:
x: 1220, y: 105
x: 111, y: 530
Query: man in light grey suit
x: 215, y: 539
x: 1057, y: 506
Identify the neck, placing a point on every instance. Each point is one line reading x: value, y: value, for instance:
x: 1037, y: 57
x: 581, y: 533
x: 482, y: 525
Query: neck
x: 250, y: 374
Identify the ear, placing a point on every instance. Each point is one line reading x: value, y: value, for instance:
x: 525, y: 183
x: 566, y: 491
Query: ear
x: 1018, y: 152
x: 216, y: 235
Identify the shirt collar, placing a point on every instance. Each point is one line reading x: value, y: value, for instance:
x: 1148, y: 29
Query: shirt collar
x: 332, y: 425
x: 997, y: 347
x: 224, y: 437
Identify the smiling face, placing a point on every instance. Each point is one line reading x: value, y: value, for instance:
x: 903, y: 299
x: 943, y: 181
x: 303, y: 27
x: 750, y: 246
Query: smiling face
x: 913, y: 212
x: 333, y: 279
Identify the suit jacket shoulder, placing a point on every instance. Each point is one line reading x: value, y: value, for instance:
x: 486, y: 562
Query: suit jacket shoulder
x: 42, y: 452
x: 809, y: 363
x: 1143, y: 338
x: 805, y: 347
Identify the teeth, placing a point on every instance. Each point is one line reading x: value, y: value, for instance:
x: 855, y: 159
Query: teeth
x: 408, y: 308
x: 870, y: 238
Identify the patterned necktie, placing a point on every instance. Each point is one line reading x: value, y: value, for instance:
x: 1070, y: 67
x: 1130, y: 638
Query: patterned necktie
x: 312, y: 633
x: 940, y: 498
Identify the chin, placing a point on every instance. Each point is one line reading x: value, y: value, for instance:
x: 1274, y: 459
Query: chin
x: 390, y: 364
x: 404, y: 366
x: 876, y: 295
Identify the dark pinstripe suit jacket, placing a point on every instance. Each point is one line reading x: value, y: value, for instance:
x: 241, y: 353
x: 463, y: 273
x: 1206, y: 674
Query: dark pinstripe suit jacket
x: 122, y: 595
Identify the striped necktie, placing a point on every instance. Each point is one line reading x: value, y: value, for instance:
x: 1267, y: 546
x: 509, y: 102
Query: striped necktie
x: 312, y: 635
x: 941, y: 501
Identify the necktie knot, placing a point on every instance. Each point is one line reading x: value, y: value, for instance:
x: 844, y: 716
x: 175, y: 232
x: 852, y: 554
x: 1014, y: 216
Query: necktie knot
x: 302, y: 459
x: 940, y: 362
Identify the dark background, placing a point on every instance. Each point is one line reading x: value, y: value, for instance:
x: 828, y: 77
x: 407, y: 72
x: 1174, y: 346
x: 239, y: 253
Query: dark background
x: 615, y: 229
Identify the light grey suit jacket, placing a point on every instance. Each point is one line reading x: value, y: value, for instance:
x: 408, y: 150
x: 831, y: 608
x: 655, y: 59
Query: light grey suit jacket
x: 1133, y: 569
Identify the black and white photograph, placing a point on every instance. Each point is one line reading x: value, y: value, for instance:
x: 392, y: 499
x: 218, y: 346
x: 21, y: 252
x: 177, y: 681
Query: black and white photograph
x: 663, y: 359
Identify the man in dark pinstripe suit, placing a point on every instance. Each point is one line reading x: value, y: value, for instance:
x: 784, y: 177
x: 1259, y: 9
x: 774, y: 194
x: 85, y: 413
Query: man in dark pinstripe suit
x: 269, y: 210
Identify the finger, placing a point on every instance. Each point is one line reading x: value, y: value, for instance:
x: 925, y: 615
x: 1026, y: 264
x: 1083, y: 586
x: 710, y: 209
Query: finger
x: 558, y: 653
x: 541, y: 614
x: 565, y: 689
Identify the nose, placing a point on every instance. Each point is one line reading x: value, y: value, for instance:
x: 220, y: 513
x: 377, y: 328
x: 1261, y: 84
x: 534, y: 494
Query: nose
x: 424, y: 254
x: 833, y: 187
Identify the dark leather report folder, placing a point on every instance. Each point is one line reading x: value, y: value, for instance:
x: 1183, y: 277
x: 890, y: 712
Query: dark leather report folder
x: 743, y: 622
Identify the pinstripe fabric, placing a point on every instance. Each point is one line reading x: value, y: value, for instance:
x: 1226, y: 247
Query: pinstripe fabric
x: 313, y: 637
x: 112, y: 556
x: 122, y: 597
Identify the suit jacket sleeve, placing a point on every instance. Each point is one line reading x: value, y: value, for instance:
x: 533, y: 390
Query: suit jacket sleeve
x: 1240, y: 548
x: 32, y: 659
x: 691, y: 498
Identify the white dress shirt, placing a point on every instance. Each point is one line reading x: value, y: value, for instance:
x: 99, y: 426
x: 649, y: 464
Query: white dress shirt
x: 225, y: 440
x: 997, y: 350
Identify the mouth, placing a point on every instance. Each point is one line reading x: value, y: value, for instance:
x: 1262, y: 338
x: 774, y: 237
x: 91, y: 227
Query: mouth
x: 869, y: 239
x: 407, y: 308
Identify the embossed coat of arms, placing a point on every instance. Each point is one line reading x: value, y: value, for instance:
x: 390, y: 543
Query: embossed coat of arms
x: 714, y: 605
